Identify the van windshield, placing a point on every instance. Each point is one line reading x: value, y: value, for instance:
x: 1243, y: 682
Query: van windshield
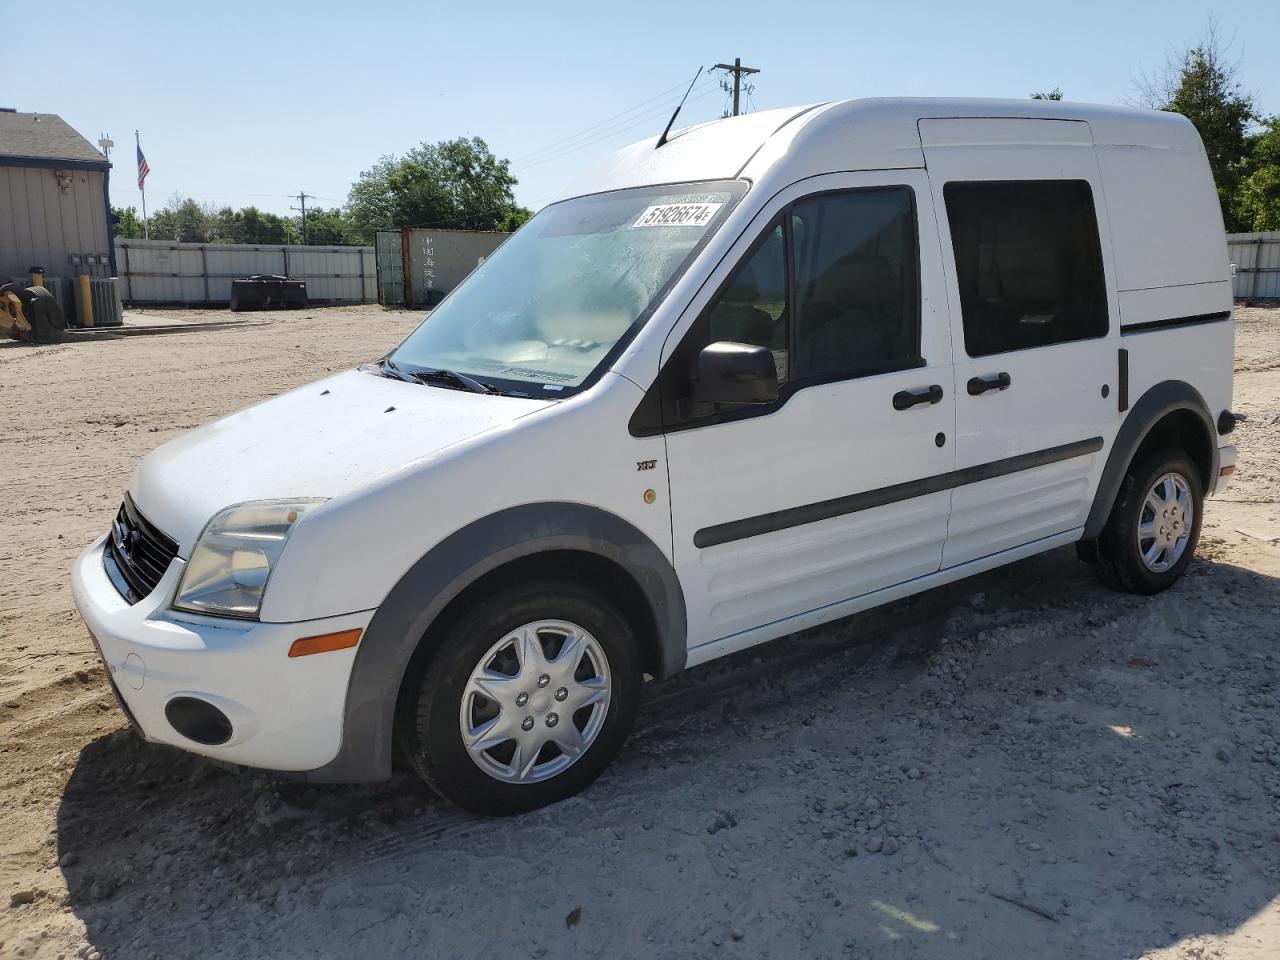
x: 561, y: 298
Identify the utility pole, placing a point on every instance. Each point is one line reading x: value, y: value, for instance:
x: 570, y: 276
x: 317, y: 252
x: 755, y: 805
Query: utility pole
x: 738, y: 71
x: 302, y: 198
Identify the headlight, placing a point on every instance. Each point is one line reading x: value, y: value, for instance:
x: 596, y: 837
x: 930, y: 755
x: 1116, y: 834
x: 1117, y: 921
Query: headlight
x: 232, y: 561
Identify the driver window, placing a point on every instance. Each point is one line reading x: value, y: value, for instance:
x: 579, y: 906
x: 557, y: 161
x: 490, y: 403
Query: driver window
x: 752, y: 305
x: 831, y: 288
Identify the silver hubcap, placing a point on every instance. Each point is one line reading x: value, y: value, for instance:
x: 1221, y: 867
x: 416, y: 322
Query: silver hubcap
x: 1164, y: 525
x: 535, y: 702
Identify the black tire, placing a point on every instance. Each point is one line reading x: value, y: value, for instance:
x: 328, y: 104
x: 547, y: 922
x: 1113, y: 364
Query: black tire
x: 25, y: 294
x: 45, y: 316
x: 1119, y: 562
x: 427, y: 722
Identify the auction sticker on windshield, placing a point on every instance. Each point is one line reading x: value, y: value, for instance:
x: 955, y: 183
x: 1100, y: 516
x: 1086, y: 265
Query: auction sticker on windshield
x: 678, y: 215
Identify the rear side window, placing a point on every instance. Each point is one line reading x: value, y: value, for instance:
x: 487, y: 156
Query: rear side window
x: 1028, y: 263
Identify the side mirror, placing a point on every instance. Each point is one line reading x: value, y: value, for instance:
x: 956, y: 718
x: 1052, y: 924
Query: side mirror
x: 736, y: 373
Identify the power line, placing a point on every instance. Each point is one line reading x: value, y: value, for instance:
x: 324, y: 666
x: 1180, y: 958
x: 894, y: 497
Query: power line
x: 665, y: 95
x: 738, y: 71
x: 278, y: 196
x: 647, y: 117
x: 586, y: 131
x: 602, y: 132
x: 639, y: 113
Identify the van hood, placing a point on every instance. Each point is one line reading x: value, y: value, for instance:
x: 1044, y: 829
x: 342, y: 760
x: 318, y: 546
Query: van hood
x: 321, y: 440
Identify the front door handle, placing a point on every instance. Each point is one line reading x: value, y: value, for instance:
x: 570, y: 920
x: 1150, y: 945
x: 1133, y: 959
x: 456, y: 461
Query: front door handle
x: 994, y: 381
x: 906, y: 399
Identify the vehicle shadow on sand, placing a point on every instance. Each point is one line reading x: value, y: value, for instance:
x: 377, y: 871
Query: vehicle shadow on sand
x: 1019, y: 764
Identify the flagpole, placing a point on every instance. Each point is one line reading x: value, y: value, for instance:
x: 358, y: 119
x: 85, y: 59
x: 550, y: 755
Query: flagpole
x: 146, y: 230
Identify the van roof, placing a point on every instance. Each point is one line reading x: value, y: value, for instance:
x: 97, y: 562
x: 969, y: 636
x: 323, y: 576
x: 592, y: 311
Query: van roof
x: 820, y: 138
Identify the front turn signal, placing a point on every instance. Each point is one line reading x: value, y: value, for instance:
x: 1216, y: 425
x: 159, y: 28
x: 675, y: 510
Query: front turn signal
x: 325, y: 643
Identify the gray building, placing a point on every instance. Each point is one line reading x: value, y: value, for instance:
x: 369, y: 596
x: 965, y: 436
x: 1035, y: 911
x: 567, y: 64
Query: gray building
x: 54, y: 207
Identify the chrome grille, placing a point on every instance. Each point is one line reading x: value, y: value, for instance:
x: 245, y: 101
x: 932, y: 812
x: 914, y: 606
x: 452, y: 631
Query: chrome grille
x: 137, y: 553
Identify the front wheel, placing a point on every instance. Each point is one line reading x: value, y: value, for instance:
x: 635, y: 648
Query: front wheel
x: 529, y: 695
x: 1154, y: 526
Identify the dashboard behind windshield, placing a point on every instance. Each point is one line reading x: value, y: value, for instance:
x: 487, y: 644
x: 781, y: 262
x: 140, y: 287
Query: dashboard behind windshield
x: 544, y: 314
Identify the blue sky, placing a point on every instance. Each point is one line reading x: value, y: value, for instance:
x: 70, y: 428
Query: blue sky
x: 242, y: 103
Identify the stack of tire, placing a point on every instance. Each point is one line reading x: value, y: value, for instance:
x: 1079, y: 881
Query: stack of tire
x: 31, y: 314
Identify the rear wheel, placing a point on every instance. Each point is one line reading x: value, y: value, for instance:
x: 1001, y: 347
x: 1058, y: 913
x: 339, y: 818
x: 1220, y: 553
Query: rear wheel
x: 1154, y: 526
x: 529, y: 695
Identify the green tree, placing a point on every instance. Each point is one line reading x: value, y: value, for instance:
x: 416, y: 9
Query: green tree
x: 326, y: 227
x: 1203, y: 86
x: 1257, y: 199
x: 224, y: 227
x: 514, y: 218
x: 184, y: 220
x: 1054, y: 94
x: 251, y: 225
x: 370, y: 202
x: 457, y: 184
x: 128, y: 225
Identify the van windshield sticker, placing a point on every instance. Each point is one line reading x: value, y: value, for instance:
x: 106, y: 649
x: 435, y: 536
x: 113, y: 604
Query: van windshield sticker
x: 678, y: 215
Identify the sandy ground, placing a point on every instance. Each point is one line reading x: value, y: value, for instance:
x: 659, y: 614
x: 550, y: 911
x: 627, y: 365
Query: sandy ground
x: 1019, y: 765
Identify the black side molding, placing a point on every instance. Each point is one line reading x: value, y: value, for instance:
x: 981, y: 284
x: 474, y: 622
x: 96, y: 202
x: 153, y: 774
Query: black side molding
x: 1170, y: 322
x: 826, y: 509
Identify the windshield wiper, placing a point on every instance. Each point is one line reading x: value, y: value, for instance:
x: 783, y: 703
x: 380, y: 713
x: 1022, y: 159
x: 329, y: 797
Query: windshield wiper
x: 390, y: 369
x: 436, y: 375
x: 440, y: 375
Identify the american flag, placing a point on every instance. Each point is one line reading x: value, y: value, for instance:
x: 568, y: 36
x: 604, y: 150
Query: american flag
x: 143, y: 168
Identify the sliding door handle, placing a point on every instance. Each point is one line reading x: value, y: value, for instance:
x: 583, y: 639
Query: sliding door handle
x: 994, y: 381
x: 906, y: 399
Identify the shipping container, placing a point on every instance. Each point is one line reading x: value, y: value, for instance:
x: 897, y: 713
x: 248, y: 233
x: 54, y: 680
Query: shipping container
x: 426, y: 263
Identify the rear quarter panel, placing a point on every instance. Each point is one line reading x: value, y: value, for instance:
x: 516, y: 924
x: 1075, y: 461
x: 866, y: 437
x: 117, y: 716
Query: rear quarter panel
x: 1170, y: 255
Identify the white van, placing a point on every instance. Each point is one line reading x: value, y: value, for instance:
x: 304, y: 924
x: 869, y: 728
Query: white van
x: 779, y: 369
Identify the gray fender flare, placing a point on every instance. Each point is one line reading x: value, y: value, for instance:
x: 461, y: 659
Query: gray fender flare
x: 448, y: 568
x: 1164, y: 398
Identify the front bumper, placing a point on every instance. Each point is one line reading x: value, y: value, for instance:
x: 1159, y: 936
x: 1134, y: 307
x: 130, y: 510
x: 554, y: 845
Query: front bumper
x: 1226, y: 467
x: 286, y: 714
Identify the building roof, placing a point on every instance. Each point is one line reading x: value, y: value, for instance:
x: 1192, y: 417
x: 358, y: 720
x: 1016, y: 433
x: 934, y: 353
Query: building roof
x: 868, y: 134
x: 44, y: 137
